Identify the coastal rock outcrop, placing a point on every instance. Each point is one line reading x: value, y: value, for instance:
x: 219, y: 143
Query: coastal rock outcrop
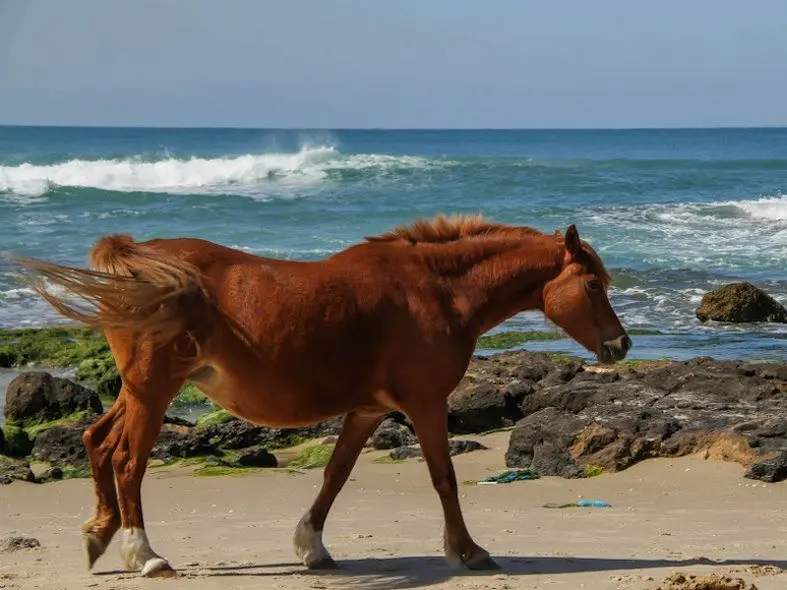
x: 491, y: 393
x: 36, y: 396
x: 725, y: 410
x: 739, y: 303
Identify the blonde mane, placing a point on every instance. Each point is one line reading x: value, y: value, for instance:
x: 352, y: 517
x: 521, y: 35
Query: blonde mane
x: 449, y: 229
x: 444, y: 229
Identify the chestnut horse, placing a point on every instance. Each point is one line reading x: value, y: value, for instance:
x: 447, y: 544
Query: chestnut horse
x: 386, y: 325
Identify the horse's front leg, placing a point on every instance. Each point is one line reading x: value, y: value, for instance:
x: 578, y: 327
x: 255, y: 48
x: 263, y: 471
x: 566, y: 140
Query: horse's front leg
x: 358, y: 427
x: 430, y: 419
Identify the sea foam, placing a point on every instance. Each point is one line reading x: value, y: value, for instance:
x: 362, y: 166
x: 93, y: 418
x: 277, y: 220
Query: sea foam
x: 238, y: 174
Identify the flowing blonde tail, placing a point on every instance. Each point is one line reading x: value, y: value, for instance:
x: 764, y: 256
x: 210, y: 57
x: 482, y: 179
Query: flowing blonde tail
x: 129, y: 287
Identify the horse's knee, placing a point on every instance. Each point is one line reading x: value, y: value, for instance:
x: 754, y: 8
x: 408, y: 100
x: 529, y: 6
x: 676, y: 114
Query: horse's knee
x: 101, y: 438
x: 89, y: 439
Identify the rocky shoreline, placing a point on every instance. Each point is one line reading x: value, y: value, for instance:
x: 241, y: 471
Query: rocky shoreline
x: 566, y: 418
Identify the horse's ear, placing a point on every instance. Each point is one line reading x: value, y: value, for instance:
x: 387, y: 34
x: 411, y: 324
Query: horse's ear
x: 573, y: 245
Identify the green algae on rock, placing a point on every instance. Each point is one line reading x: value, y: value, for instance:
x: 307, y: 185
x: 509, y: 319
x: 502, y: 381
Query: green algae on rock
x: 313, y: 457
x: 504, y: 340
x: 17, y: 441
x: 55, y: 347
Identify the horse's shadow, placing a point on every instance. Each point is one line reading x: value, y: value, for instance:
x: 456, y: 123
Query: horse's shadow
x: 420, y: 572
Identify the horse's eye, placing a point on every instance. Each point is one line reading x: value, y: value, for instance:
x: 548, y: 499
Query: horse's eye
x: 594, y: 285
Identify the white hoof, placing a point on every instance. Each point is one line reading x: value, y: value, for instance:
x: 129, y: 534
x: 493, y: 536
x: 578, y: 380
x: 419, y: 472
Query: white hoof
x: 158, y: 567
x: 309, y: 547
x: 137, y: 555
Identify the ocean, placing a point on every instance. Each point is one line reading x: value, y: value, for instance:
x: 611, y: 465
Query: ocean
x: 673, y: 213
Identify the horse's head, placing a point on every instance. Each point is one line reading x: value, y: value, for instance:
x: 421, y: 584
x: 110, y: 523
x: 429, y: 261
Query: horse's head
x: 576, y: 300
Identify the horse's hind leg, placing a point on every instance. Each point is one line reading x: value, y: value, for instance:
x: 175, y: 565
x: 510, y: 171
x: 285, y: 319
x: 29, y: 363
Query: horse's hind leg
x: 146, y: 404
x: 100, y: 441
x: 358, y: 427
x: 431, y: 425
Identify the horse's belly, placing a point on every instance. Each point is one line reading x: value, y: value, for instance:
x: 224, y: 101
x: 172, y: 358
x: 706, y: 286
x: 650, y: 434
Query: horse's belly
x: 260, y: 403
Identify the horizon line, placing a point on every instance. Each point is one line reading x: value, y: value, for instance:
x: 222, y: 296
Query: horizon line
x: 382, y: 128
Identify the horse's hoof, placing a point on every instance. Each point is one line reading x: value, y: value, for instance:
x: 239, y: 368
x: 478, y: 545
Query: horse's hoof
x: 158, y: 567
x: 482, y: 562
x: 326, y: 563
x: 94, y: 548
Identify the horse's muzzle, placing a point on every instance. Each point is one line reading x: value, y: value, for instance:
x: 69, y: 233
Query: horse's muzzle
x: 614, y: 350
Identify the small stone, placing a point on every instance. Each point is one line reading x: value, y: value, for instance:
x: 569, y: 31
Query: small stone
x: 12, y: 544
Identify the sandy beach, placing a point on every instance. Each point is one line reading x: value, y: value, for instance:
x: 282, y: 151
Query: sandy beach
x: 229, y: 532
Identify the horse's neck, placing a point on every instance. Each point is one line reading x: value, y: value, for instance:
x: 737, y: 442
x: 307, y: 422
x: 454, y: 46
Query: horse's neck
x: 493, y: 281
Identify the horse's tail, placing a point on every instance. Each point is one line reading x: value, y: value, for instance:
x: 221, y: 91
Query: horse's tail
x: 128, y: 287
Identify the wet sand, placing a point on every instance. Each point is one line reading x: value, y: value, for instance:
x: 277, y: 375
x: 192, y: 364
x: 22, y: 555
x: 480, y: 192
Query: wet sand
x: 234, y: 532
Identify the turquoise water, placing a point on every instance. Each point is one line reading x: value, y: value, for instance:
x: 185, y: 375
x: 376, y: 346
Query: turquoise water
x: 672, y: 213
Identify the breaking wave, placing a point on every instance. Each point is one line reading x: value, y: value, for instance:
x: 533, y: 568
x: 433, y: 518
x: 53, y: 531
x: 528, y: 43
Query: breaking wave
x: 239, y: 174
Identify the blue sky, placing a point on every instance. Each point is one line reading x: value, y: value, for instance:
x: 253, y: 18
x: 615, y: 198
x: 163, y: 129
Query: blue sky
x: 409, y: 63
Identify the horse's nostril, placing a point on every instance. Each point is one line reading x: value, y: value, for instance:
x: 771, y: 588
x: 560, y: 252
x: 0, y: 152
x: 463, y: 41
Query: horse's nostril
x: 626, y: 343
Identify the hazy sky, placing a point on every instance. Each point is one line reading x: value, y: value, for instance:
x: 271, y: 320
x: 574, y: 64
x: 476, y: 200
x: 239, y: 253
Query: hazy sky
x: 408, y: 63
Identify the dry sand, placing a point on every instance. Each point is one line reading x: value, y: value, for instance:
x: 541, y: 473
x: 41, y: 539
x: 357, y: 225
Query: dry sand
x: 684, y: 515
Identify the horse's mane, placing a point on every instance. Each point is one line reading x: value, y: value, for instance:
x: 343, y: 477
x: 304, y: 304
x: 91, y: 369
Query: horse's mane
x: 444, y: 229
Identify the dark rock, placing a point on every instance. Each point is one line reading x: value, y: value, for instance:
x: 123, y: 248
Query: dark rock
x: 37, y: 396
x: 239, y: 434
x: 236, y: 434
x: 455, y: 447
x: 740, y: 302
x: 256, y: 457
x: 178, y: 442
x: 725, y: 410
x: 491, y: 393
x: 481, y: 408
x: 13, y: 469
x: 776, y: 371
x: 391, y: 435
x: 62, y: 445
x: 12, y: 544
x: 405, y: 453
x: 770, y: 470
x: 542, y: 440
x: 460, y: 447
x: 52, y: 474
x: 331, y: 427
